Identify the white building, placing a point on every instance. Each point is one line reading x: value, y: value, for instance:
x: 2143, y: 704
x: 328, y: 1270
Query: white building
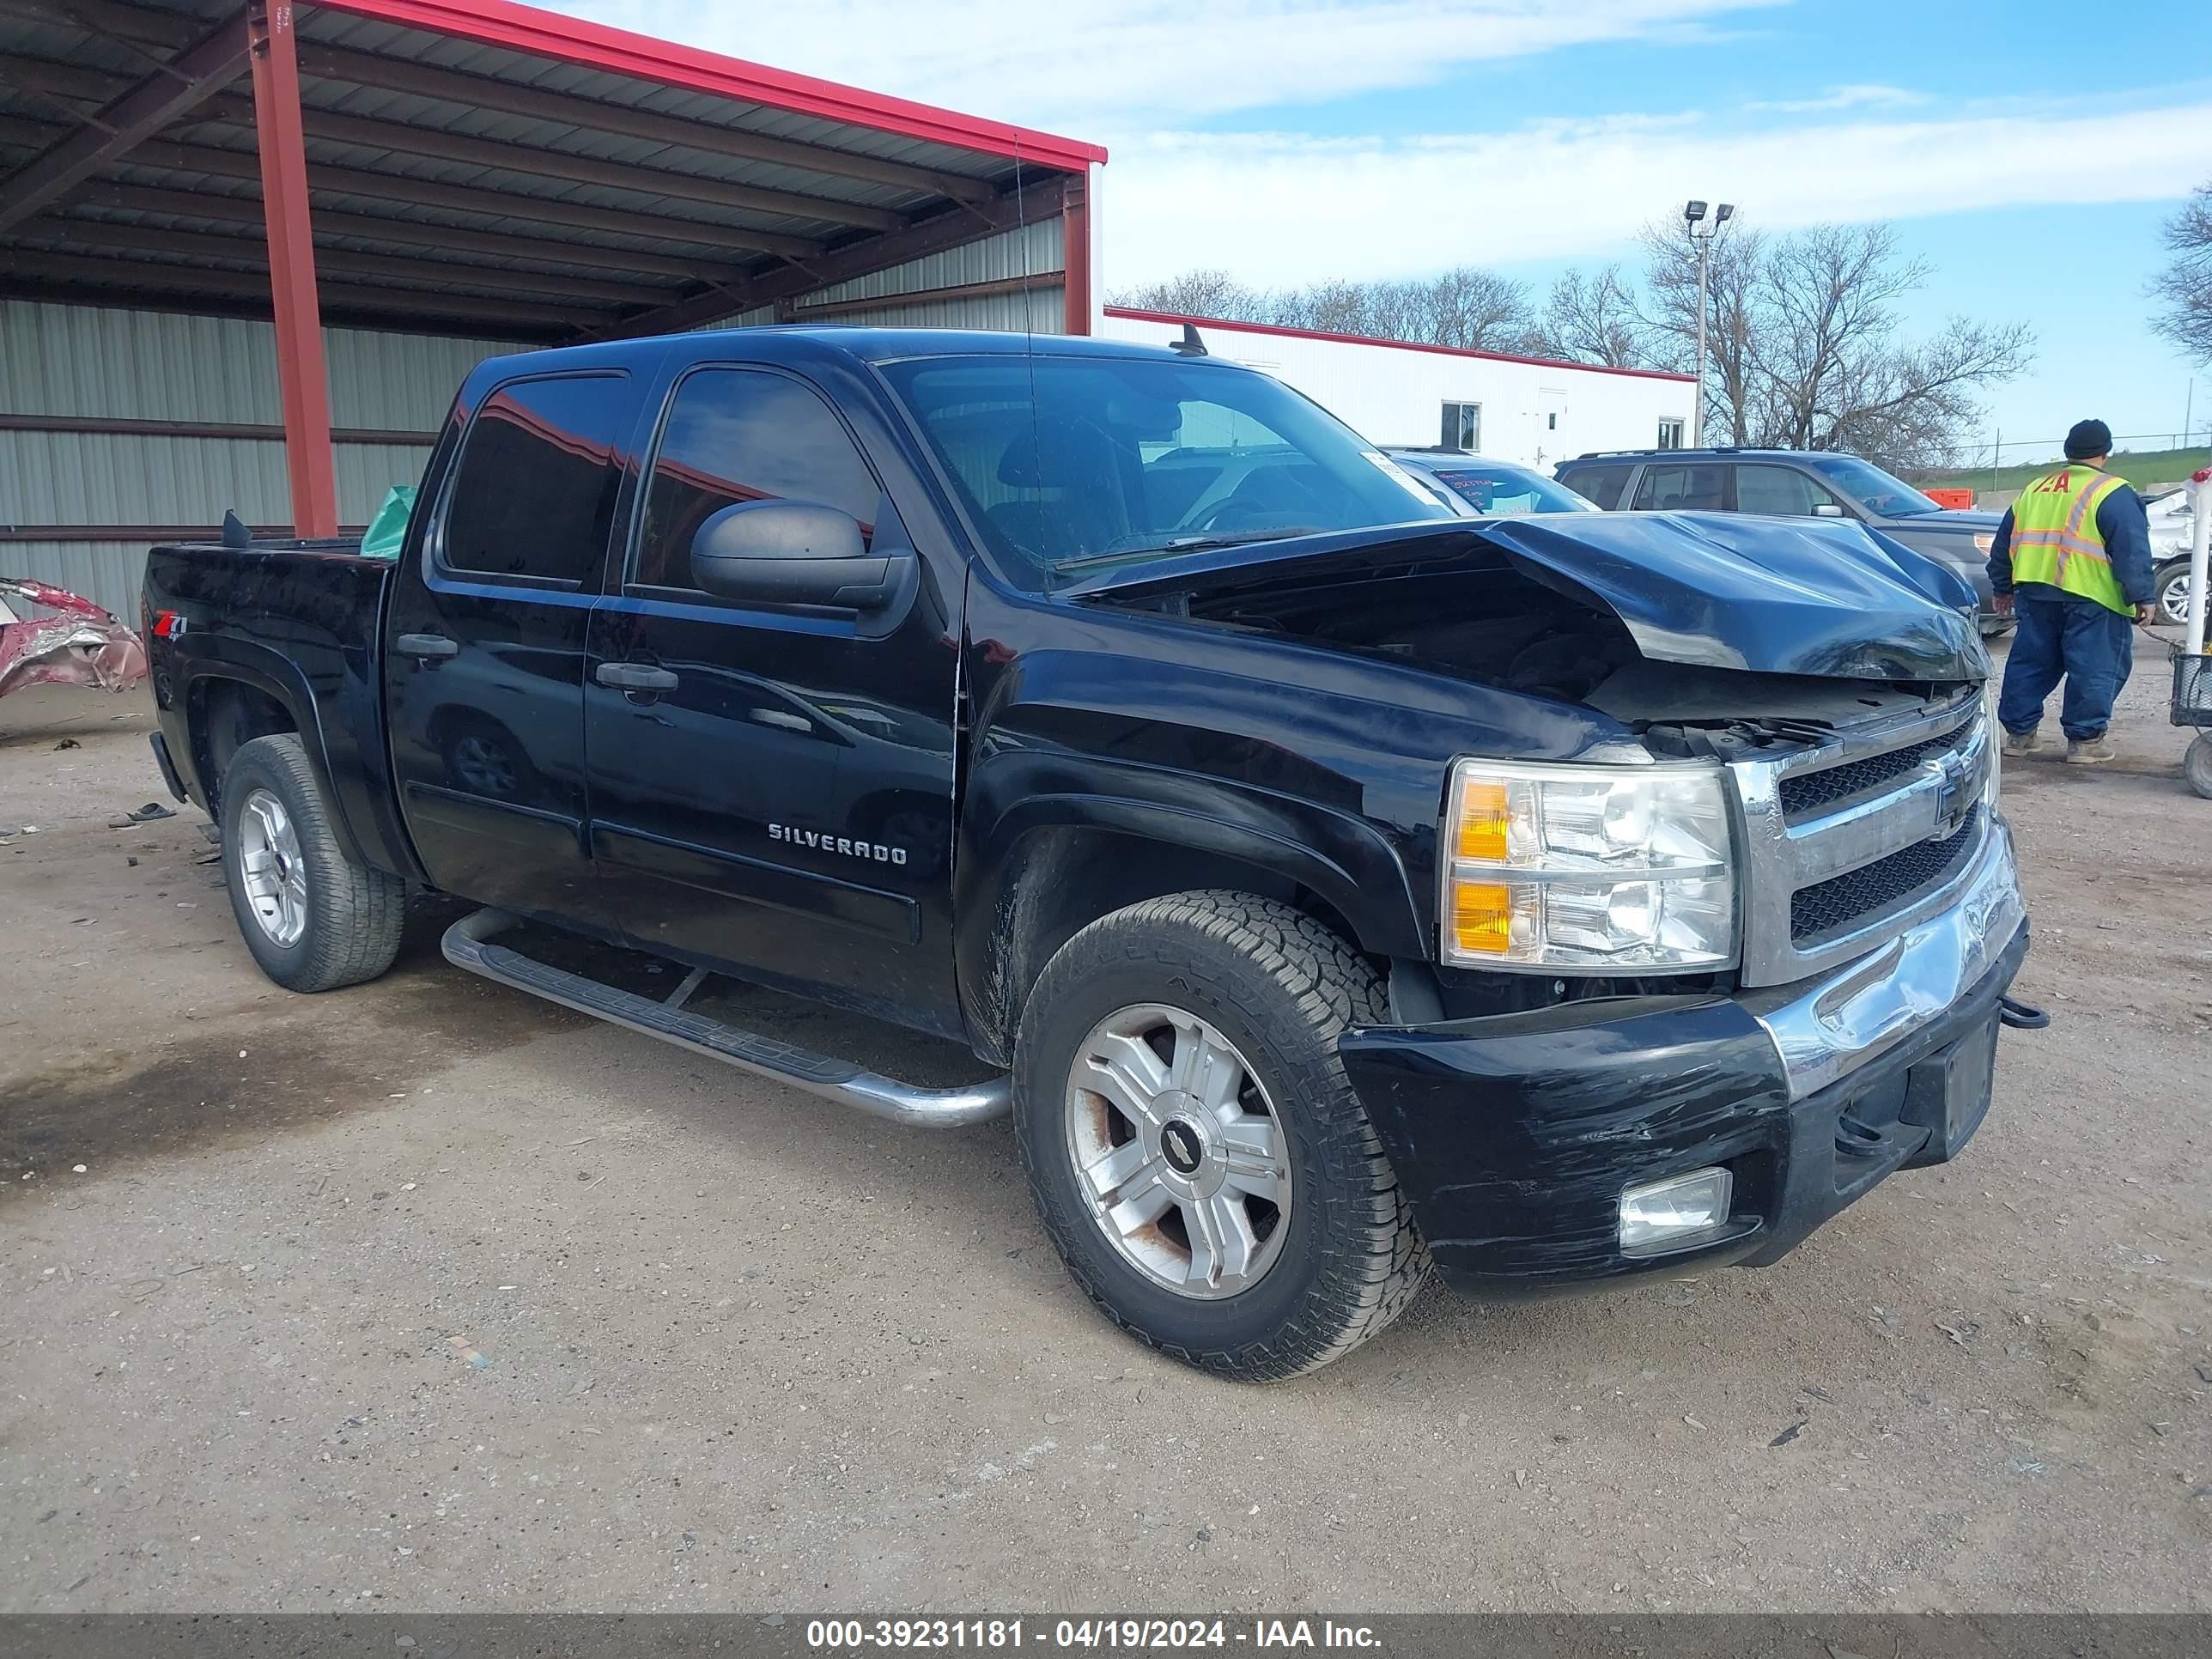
x: 1402, y: 396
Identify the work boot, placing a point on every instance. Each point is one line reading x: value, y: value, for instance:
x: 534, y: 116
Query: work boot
x: 2089, y: 751
x: 2017, y: 744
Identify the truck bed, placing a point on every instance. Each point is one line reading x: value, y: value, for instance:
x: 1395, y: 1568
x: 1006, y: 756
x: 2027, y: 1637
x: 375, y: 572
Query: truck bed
x: 299, y: 622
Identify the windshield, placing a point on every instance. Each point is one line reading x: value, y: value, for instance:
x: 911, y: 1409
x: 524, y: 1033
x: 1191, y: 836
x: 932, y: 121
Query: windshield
x: 1086, y: 462
x: 1497, y: 490
x: 1875, y: 489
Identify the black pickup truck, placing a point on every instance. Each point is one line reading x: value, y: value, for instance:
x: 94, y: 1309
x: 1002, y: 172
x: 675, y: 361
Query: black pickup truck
x: 1329, y: 885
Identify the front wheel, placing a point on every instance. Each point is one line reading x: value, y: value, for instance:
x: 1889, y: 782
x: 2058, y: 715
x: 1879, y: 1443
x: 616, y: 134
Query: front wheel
x: 1195, y: 1151
x: 314, y: 917
x: 2171, y: 583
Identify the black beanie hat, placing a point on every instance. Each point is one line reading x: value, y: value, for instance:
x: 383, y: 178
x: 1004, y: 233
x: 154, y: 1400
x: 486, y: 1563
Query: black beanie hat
x: 2088, y: 440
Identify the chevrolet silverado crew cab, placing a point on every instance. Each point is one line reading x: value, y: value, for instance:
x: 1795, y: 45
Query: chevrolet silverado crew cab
x: 1329, y: 886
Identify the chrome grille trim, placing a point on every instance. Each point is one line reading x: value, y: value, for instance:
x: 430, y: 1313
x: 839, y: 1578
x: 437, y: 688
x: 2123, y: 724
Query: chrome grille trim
x: 1940, y: 795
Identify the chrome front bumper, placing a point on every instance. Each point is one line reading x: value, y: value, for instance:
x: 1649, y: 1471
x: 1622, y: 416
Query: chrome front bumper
x: 1826, y: 1027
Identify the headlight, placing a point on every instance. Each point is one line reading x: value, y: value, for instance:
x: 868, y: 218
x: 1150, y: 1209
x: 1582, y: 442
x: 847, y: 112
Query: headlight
x: 1588, y: 868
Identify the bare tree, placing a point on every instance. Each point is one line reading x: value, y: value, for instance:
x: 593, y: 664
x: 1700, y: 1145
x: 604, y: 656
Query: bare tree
x: 1804, y: 342
x: 2183, y: 288
x: 1473, y: 309
x: 1803, y: 345
x: 1592, y: 319
x: 1734, y: 260
x: 1197, y: 293
x: 1905, y: 406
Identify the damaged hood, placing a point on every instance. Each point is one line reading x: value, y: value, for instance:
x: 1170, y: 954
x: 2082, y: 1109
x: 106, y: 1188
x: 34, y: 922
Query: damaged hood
x: 1713, y: 590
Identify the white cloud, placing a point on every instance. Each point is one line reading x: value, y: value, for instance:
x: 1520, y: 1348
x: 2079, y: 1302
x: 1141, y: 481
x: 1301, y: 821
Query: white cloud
x: 1072, y: 66
x: 1858, y: 96
x: 1282, y: 208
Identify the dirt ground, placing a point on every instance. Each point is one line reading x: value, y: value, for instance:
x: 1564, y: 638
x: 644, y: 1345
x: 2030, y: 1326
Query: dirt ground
x: 425, y: 1295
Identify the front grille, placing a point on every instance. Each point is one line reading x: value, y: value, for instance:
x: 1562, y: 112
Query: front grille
x: 1805, y: 792
x: 1843, y: 903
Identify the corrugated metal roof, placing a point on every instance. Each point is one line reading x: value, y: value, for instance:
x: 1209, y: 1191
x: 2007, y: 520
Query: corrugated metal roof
x: 541, y: 141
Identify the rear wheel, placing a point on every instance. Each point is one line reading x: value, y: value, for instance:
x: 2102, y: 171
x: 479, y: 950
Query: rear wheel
x: 314, y: 918
x: 1202, y: 1164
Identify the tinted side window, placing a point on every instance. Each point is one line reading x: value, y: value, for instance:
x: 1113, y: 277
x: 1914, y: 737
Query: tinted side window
x: 735, y: 434
x: 1602, y: 484
x: 1782, y: 491
x: 534, y: 493
x: 1682, y: 488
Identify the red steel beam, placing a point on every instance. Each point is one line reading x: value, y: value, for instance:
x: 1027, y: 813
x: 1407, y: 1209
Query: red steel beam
x: 302, y: 377
x: 195, y: 75
x: 1075, y: 255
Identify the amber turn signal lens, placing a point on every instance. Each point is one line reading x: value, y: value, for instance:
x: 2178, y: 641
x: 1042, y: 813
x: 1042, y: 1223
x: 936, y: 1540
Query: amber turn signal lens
x: 1483, y: 821
x: 1482, y: 917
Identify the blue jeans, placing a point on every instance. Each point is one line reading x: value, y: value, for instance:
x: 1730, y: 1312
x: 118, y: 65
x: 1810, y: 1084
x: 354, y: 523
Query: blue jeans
x: 2061, y: 634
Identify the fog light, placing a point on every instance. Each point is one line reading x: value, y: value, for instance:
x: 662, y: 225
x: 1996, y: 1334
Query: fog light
x: 1663, y: 1210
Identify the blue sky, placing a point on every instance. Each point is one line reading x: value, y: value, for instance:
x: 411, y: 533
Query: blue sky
x: 2027, y: 150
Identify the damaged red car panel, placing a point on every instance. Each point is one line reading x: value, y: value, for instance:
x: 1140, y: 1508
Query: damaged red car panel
x: 51, y: 637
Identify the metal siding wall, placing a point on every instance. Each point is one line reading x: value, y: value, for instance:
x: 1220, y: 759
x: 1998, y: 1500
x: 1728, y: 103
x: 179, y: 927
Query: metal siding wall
x: 1035, y: 250
x: 87, y: 361
x: 107, y: 573
x: 1043, y: 310
x: 1030, y: 251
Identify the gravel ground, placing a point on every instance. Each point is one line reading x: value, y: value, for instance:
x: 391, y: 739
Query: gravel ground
x: 425, y: 1295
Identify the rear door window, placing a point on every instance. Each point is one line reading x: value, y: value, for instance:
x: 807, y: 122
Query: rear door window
x: 1683, y: 487
x: 534, y: 493
x: 1602, y: 484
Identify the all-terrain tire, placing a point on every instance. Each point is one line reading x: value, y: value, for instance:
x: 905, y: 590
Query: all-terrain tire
x: 354, y: 913
x: 1282, y: 988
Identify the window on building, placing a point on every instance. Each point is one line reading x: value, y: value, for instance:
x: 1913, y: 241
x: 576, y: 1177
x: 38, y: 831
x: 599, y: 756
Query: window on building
x: 1670, y: 435
x: 1462, y: 426
x: 1682, y: 488
x: 534, y: 493
x: 735, y: 435
x: 1781, y: 491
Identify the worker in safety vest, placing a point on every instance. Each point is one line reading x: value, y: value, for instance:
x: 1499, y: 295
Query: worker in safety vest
x: 2072, y: 563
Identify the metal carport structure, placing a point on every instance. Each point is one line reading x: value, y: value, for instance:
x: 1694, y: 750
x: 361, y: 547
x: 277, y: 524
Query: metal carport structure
x: 480, y: 169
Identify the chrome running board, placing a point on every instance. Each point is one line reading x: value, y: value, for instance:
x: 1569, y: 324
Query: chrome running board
x: 467, y: 945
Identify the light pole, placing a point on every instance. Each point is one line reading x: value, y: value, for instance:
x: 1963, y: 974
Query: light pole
x: 1702, y: 233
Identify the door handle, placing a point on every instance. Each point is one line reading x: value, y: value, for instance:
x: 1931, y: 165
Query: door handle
x: 426, y: 647
x: 635, y: 677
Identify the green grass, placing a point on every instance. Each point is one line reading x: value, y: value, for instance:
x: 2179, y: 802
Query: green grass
x: 2152, y: 466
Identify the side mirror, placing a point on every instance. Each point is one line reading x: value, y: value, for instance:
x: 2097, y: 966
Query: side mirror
x: 1828, y: 510
x: 783, y: 552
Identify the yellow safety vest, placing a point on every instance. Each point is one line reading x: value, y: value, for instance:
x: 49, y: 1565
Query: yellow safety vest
x: 2055, y: 539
